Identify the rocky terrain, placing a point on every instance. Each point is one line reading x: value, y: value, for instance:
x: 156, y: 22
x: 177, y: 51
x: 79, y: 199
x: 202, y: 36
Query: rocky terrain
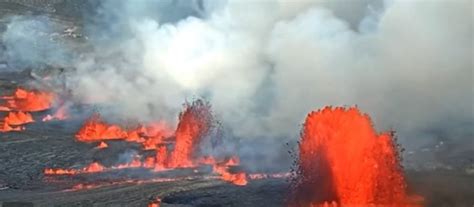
x: 447, y: 180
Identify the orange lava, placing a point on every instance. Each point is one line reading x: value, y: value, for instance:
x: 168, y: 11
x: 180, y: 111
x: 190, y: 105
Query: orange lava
x: 13, y: 120
x: 172, y: 150
x: 194, y: 123
x: 24, y: 100
x: 5, y: 127
x: 160, y: 159
x: 60, y: 114
x: 150, y: 136
x: 102, y: 145
x: 92, y: 168
x: 149, y: 162
x: 239, y: 178
x: 50, y: 171
x: 19, y: 104
x: 222, y: 169
x: 155, y: 203
x: 95, y: 185
x: 96, y: 130
x: 135, y: 163
x: 343, y: 161
x: 18, y: 118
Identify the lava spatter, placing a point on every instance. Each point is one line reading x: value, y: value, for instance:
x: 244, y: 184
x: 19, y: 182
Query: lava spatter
x: 95, y: 129
x: 344, y: 162
x: 178, y: 149
x: 27, y: 100
x: 194, y: 123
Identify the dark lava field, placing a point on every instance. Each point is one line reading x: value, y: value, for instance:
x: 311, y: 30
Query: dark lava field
x: 448, y: 181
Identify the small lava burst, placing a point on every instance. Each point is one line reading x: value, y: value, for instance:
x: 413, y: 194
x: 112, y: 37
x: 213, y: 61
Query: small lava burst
x: 19, y: 104
x: 96, y: 130
x: 102, y: 145
x: 14, y: 121
x: 155, y: 203
x: 150, y: 135
x: 94, y: 167
x: 25, y: 100
x: 18, y: 118
x: 5, y: 127
x: 60, y: 114
x: 91, y: 168
x: 344, y: 162
x: 222, y: 169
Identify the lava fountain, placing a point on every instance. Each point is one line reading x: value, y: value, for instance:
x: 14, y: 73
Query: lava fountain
x: 178, y: 149
x: 194, y: 124
x: 344, y: 162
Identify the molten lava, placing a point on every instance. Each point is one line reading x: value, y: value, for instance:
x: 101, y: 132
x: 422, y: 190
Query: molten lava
x: 94, y: 167
x: 19, y: 104
x: 194, y: 124
x: 96, y: 130
x: 60, y: 114
x: 18, y: 118
x: 150, y: 136
x: 135, y: 163
x: 155, y: 203
x: 91, y: 168
x: 239, y: 178
x: 102, y: 145
x: 24, y: 100
x: 13, y: 121
x: 161, y: 157
x: 5, y: 127
x: 343, y: 161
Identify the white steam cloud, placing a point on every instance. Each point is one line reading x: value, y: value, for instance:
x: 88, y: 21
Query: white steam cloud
x: 264, y: 65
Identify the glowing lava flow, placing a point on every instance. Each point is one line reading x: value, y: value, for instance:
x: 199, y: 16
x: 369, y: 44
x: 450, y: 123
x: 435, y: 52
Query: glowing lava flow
x: 13, y: 121
x: 150, y: 135
x: 96, y: 130
x: 194, y: 124
x: 19, y: 104
x: 102, y: 145
x: 18, y: 118
x: 5, y: 127
x: 155, y: 203
x: 24, y: 100
x: 343, y: 161
x: 92, y: 168
x: 222, y: 169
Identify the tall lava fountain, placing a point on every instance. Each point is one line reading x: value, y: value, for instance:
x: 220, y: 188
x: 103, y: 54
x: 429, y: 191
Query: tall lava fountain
x: 343, y: 161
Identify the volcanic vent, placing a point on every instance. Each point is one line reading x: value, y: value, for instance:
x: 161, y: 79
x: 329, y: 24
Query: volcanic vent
x: 173, y: 150
x: 344, y: 162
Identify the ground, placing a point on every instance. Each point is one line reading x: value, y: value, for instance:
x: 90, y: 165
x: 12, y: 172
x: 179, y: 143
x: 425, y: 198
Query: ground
x: 24, y: 155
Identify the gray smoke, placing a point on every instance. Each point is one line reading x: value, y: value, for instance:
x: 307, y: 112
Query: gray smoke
x: 264, y: 65
x: 30, y: 42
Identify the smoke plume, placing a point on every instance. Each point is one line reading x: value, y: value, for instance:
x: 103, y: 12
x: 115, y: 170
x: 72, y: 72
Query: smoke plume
x: 264, y: 64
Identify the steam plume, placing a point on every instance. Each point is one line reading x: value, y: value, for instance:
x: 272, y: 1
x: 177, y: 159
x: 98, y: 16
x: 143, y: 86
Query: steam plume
x: 264, y: 64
